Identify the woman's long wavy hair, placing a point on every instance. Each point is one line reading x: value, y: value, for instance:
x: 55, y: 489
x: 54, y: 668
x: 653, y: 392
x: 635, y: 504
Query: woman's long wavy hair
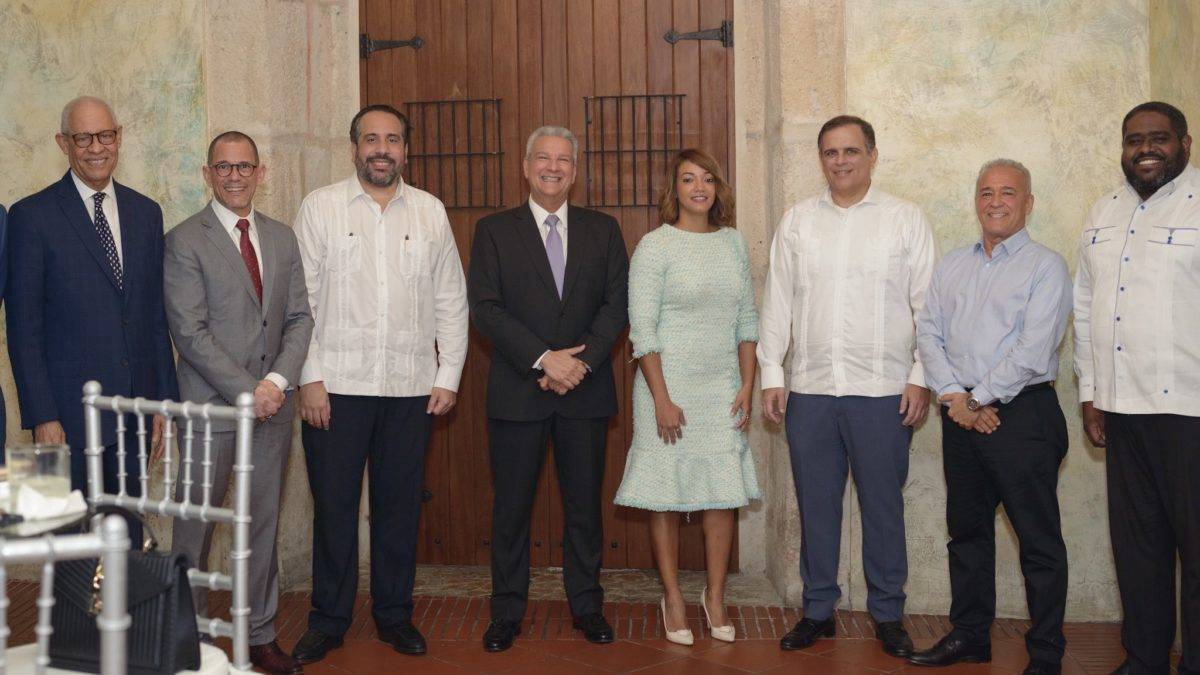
x: 721, y: 213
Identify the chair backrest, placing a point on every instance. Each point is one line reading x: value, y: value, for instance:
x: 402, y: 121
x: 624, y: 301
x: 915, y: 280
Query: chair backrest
x: 195, y: 421
x: 109, y: 543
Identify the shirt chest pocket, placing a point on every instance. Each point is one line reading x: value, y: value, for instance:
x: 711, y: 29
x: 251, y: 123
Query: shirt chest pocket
x: 1096, y: 236
x: 346, y: 254
x: 1182, y: 238
x: 416, y: 257
x: 807, y: 262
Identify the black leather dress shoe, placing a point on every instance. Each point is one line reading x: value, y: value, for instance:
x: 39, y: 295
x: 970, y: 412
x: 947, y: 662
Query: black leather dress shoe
x: 313, y: 646
x: 1123, y: 669
x: 806, y: 632
x: 595, y: 628
x: 1036, y: 667
x: 404, y: 638
x: 894, y: 638
x: 950, y: 650
x: 500, y: 635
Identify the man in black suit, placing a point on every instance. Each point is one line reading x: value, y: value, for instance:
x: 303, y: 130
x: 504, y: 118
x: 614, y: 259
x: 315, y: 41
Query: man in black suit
x: 548, y: 286
x: 85, y: 297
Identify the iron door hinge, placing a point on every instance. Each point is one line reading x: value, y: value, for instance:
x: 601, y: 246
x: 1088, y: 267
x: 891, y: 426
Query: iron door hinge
x: 367, y: 46
x: 724, y: 34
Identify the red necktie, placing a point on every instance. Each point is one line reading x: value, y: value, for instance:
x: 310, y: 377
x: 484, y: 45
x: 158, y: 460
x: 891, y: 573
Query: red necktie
x: 249, y: 258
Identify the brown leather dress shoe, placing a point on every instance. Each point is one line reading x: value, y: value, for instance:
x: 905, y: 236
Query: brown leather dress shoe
x: 269, y: 658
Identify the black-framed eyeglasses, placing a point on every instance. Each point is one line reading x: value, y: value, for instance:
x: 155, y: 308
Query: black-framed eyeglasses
x: 244, y: 169
x: 84, y: 139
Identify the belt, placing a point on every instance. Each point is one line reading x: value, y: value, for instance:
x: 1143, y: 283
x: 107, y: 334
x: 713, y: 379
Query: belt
x: 1048, y: 384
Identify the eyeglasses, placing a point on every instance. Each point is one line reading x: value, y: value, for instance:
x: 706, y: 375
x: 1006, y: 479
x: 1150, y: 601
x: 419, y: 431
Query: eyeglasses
x: 84, y: 139
x: 244, y: 169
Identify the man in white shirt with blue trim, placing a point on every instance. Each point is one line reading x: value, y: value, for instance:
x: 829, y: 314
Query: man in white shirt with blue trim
x: 1137, y: 355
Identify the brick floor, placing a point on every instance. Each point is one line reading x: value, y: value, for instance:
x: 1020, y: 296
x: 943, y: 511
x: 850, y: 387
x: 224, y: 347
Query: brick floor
x: 548, y: 644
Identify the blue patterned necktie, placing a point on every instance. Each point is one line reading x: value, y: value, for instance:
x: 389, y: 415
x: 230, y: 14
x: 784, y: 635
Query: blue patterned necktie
x: 554, y: 252
x: 106, y: 239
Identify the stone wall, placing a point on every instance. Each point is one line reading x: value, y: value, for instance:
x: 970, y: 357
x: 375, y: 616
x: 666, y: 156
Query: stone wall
x: 178, y: 73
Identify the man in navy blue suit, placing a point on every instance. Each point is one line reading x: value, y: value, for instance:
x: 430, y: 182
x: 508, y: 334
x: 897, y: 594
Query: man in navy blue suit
x: 85, y: 295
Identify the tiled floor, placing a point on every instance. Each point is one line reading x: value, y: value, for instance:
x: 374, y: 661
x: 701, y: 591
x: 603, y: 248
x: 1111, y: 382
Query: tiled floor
x: 455, y: 625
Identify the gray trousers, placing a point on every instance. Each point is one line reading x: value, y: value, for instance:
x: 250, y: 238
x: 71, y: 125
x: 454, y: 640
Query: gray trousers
x: 827, y: 437
x: 271, y: 446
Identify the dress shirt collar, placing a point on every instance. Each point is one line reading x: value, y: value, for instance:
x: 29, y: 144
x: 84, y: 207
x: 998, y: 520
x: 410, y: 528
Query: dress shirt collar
x: 1009, y: 246
x: 86, y: 192
x: 540, y: 214
x: 229, y: 219
x: 870, y: 198
x: 1189, y: 176
x: 354, y: 190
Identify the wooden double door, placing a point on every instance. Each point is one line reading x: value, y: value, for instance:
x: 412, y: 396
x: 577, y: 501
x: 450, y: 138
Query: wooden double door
x: 486, y: 74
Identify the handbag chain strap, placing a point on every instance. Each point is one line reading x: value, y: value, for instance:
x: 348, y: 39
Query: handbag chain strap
x: 97, y: 604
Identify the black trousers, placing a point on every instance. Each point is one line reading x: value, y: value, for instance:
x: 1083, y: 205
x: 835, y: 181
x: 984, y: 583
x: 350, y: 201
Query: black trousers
x: 1017, y: 466
x: 1154, y: 515
x: 517, y: 452
x: 389, y: 436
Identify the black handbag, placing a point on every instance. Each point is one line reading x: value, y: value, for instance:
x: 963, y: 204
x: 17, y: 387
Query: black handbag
x: 163, y: 637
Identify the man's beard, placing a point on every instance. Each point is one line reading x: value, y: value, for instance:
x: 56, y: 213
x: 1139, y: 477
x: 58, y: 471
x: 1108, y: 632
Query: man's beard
x: 376, y: 178
x: 1173, y: 165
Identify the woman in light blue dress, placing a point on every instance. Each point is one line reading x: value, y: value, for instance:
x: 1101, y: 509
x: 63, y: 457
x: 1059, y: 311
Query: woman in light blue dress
x: 694, y: 328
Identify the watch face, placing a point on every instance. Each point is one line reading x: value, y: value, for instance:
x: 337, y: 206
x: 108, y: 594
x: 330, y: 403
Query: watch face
x: 972, y: 404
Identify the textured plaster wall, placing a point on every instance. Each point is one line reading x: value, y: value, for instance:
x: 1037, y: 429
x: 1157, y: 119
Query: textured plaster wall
x: 149, y: 69
x: 177, y: 73
x: 1174, y: 55
x: 947, y: 87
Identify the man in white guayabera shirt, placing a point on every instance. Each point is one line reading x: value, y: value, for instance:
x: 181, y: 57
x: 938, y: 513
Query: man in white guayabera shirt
x: 389, y: 299
x: 1137, y: 354
x: 849, y: 269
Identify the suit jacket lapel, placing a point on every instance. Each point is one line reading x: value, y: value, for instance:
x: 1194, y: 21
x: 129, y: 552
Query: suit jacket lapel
x: 531, y: 236
x: 267, y: 254
x: 575, y: 246
x: 77, y: 215
x: 220, y: 238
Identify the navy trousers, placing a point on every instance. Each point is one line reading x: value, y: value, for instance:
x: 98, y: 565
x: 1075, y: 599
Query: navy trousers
x: 829, y: 436
x: 388, y: 436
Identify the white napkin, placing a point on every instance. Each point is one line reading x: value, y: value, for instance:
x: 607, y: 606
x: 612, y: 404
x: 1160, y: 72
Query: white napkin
x: 33, y: 505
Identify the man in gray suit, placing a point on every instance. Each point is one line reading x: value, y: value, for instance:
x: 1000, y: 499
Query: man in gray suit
x: 238, y: 309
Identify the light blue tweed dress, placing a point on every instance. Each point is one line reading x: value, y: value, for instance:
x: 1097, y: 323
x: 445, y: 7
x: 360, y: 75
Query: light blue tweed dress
x: 691, y: 300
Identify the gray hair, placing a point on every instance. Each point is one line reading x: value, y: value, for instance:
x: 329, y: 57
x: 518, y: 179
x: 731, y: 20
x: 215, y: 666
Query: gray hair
x: 64, y: 122
x: 557, y: 132
x: 1004, y: 163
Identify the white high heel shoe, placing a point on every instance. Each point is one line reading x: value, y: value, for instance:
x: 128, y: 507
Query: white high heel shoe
x: 722, y: 633
x: 683, y: 636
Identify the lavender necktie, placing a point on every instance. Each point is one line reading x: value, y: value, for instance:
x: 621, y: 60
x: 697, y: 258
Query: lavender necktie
x: 554, y: 252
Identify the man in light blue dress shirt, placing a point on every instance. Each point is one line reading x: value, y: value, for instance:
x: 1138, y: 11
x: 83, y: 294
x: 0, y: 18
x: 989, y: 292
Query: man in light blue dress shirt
x: 988, y: 336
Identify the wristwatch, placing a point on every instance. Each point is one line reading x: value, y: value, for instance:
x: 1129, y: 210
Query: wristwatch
x: 972, y: 404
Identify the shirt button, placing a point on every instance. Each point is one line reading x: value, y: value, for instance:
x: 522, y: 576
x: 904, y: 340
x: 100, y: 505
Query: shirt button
x: 1133, y: 232
x: 1118, y: 318
x: 1126, y: 258
x: 1142, y: 207
x: 1118, y: 349
x: 1164, y: 390
x: 1122, y: 288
